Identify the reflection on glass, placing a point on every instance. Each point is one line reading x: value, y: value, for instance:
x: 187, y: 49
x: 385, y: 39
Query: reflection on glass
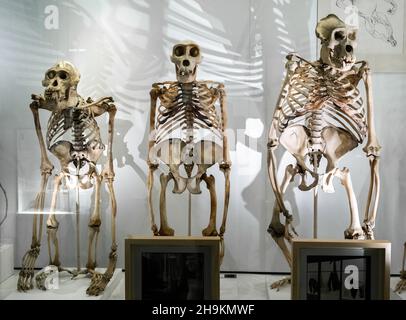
x: 173, y: 276
x: 338, y: 278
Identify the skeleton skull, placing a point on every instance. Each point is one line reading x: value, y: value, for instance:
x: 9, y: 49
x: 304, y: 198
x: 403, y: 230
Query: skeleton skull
x: 338, y: 42
x: 186, y: 56
x: 60, y: 82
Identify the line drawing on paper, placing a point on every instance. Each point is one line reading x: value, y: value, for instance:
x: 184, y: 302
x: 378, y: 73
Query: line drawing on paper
x: 378, y: 21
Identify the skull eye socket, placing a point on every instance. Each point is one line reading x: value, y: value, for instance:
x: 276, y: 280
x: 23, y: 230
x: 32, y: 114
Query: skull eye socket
x: 194, y: 52
x: 179, y: 51
x: 51, y: 74
x: 339, y: 35
x: 63, y: 75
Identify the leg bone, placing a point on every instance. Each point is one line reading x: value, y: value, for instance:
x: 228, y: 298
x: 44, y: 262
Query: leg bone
x: 26, y: 275
x: 279, y: 232
x: 99, y: 281
x: 164, y: 229
x: 94, y: 225
x: 150, y: 185
x: 53, y: 224
x: 211, y: 228
x: 354, y: 231
x: 373, y: 198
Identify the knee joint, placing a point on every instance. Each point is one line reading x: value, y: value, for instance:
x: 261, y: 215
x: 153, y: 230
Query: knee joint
x: 94, y: 223
x: 52, y: 225
x: 276, y: 230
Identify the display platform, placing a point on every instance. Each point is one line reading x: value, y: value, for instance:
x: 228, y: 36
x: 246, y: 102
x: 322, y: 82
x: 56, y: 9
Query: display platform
x: 68, y: 289
x: 243, y: 287
x: 179, y: 268
x: 285, y: 292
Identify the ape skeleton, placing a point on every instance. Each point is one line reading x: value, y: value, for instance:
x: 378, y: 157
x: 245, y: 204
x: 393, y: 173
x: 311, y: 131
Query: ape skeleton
x: 73, y: 136
x: 188, y: 106
x: 320, y: 115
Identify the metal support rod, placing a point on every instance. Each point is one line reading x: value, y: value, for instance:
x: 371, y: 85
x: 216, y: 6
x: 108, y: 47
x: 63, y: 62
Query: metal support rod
x: 77, y: 222
x: 315, y: 210
x: 316, y: 162
x: 190, y: 214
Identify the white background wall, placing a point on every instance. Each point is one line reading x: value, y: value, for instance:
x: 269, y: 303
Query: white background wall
x: 121, y: 48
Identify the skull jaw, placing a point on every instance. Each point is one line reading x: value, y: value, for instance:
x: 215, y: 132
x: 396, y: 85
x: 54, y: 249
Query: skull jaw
x: 341, y: 62
x: 185, y: 75
x: 61, y: 99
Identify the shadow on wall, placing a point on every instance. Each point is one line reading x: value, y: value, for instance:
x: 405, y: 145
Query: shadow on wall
x: 223, y: 59
x: 277, y: 44
x: 111, y: 44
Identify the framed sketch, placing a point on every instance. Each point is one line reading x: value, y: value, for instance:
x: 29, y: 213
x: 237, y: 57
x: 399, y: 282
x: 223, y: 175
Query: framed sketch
x: 172, y: 268
x: 340, y: 270
x: 381, y: 30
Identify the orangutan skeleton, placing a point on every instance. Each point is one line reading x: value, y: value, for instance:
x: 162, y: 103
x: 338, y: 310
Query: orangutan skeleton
x: 73, y: 137
x: 187, y: 106
x: 401, y: 286
x: 320, y: 115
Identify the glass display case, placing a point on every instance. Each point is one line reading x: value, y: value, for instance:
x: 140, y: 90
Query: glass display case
x: 252, y: 47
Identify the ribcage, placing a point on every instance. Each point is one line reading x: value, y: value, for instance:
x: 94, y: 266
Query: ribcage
x: 77, y: 126
x: 316, y: 98
x: 187, y: 108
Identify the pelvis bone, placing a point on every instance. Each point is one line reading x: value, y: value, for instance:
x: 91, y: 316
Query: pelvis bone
x: 188, y: 162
